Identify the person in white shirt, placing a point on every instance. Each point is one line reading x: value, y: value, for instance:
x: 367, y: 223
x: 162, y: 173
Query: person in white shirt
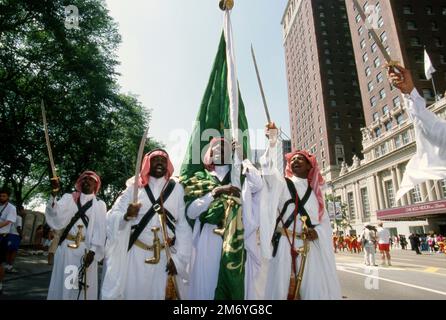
x: 14, y: 239
x: 368, y: 237
x: 81, y: 246
x: 8, y: 216
x: 384, y: 244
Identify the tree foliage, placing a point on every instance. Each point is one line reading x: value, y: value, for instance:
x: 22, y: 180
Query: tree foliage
x: 91, y: 124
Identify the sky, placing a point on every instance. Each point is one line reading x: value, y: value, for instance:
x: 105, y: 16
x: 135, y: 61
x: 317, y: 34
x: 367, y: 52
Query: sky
x: 166, y: 56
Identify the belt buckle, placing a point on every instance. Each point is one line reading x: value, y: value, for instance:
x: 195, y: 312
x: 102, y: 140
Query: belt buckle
x: 156, y: 207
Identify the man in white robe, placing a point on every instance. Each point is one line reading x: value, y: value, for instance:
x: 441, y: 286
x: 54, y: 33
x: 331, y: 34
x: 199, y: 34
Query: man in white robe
x: 429, y: 162
x: 207, y: 245
x: 64, y: 214
x: 128, y: 276
x: 320, y: 281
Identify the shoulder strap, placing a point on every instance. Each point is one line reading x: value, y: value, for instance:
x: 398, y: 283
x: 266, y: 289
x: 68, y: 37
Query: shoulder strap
x: 137, y: 230
x: 80, y: 214
x: 1, y: 212
x: 301, y: 205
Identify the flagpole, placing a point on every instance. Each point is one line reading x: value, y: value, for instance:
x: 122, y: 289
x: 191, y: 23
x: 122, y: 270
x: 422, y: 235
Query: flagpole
x: 435, y: 89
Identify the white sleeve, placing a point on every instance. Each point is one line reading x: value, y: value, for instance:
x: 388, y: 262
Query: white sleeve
x: 183, y: 234
x: 12, y: 215
x: 433, y: 126
x: 58, y: 213
x: 200, y: 205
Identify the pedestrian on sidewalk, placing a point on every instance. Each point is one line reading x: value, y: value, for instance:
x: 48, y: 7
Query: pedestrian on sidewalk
x: 14, y: 239
x: 384, y: 244
x: 368, y: 242
x: 8, y: 216
x: 415, y: 242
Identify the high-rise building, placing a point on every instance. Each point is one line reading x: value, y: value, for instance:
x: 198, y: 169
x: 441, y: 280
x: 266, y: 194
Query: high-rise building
x: 325, y: 106
x: 404, y: 27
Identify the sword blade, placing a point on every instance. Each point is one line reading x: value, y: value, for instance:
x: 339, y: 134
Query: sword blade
x: 265, y: 106
x: 138, y: 165
x: 47, y: 139
x: 374, y: 35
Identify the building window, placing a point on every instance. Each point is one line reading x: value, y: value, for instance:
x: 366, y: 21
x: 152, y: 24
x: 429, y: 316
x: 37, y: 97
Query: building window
x: 383, y: 36
x: 434, y: 26
x: 397, y: 102
x: 382, y: 93
x: 368, y: 71
x: 370, y: 86
x: 351, y: 206
x: 365, y: 57
x: 407, y: 10
x: 365, y: 204
x: 373, y: 101
x: 374, y: 47
x: 411, y: 25
x: 363, y: 44
x: 380, y: 22
x: 360, y: 31
x: 416, y: 194
x: 406, y: 138
x: 429, y: 10
x: 443, y: 187
x: 389, y: 126
x: 399, y: 119
x: 379, y: 78
x: 390, y: 194
x: 333, y: 103
x: 375, y: 116
x: 358, y: 18
x: 398, y: 142
x: 438, y: 42
x: 415, y: 42
x: 377, y: 62
x: 377, y: 132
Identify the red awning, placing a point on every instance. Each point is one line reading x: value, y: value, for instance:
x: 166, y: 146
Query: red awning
x: 420, y: 211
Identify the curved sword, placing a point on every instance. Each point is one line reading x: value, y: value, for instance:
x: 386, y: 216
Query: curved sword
x: 374, y: 35
x: 47, y: 139
x: 265, y: 106
x: 138, y: 166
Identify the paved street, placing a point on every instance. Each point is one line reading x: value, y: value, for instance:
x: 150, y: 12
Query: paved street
x: 411, y: 277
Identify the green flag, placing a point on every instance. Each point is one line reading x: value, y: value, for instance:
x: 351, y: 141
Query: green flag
x: 226, y: 211
x: 213, y: 114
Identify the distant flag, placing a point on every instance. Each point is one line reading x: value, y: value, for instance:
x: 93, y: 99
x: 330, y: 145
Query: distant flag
x: 428, y: 67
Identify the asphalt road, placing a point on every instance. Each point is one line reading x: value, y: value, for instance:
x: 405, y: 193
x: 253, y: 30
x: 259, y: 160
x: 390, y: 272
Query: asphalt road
x: 411, y: 277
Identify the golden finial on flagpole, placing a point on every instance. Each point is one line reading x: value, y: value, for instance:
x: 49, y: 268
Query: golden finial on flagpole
x: 226, y: 4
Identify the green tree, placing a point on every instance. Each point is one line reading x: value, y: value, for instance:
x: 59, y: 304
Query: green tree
x: 91, y: 124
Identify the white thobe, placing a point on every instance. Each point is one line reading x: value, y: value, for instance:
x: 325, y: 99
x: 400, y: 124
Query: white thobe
x: 320, y: 281
x: 63, y: 285
x: 127, y: 275
x: 207, y: 245
x: 429, y: 162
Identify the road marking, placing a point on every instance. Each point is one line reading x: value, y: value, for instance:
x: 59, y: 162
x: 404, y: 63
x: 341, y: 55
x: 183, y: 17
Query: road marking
x: 431, y: 270
x: 422, y: 266
x: 394, y: 281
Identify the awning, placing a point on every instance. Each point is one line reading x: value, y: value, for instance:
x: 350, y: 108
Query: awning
x: 421, y: 211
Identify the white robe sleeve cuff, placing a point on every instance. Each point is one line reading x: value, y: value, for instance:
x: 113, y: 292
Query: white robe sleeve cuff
x: 199, y: 206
